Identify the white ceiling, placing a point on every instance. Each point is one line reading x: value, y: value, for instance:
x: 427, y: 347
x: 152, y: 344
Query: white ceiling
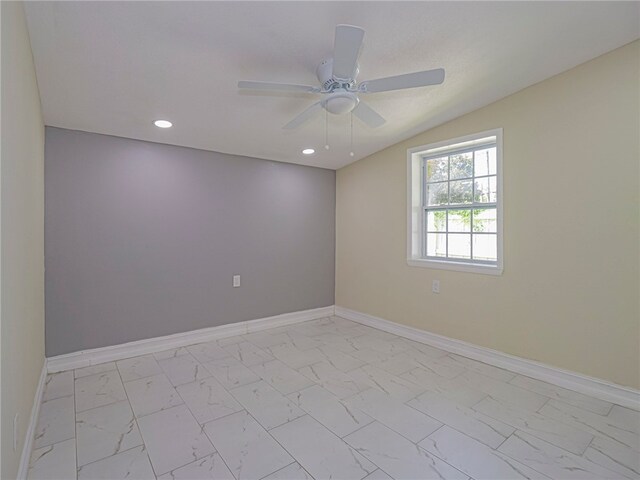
x: 114, y: 67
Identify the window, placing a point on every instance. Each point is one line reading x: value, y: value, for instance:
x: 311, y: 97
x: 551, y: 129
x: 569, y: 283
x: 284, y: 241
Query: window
x: 455, y: 204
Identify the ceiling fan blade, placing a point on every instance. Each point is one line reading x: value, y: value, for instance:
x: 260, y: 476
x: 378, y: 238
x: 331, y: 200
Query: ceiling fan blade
x: 368, y: 115
x: 346, y: 49
x: 408, y: 80
x: 281, y: 87
x: 303, y: 117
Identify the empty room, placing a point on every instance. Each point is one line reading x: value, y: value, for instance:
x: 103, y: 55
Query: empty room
x: 320, y: 240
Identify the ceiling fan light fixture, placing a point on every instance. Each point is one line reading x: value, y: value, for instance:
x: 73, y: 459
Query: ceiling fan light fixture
x: 340, y: 102
x: 163, y: 124
x: 308, y: 151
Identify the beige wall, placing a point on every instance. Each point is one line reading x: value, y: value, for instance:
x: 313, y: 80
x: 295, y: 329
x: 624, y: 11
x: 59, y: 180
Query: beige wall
x: 22, y: 222
x: 569, y: 294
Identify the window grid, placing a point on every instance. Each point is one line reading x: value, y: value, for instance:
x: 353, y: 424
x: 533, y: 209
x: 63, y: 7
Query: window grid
x: 459, y: 206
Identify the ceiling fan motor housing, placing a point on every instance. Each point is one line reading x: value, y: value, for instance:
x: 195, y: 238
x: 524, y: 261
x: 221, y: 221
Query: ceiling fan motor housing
x: 324, y: 72
x: 338, y: 100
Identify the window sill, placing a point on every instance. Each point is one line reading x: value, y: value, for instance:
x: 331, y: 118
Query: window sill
x: 455, y: 266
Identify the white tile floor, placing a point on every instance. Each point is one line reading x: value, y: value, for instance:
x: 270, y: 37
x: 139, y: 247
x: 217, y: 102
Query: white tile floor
x: 323, y: 399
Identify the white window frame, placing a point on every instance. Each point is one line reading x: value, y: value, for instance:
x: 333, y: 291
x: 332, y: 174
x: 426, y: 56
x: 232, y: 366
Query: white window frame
x: 415, y: 207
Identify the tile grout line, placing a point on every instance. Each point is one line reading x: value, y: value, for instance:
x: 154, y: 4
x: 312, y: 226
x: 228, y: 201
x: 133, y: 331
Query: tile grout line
x: 581, y: 455
x: 170, y: 472
x: 252, y: 416
x: 555, y: 446
x: 112, y: 455
x: 542, y: 406
x: 389, y: 427
x: 287, y: 466
x: 292, y: 420
x: 515, y: 459
x: 443, y: 460
x: 279, y: 470
x: 611, y: 409
x: 415, y: 444
x: 219, y: 454
x: 517, y: 428
x: 212, y: 444
x: 434, y: 432
x: 580, y: 428
x: 466, y: 435
x: 100, y: 406
x: 563, y: 400
x: 505, y: 439
x: 135, y: 419
x: 157, y: 411
x: 538, y: 412
x: 340, y: 439
x: 593, y: 437
x: 295, y: 460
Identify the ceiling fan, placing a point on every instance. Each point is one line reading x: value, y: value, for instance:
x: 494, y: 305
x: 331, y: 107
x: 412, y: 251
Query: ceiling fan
x: 337, y: 76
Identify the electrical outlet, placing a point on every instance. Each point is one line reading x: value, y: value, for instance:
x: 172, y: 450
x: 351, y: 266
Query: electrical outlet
x: 236, y: 280
x: 435, y: 286
x: 16, y: 427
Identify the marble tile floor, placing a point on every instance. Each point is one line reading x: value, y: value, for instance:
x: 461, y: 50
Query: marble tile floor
x: 323, y: 399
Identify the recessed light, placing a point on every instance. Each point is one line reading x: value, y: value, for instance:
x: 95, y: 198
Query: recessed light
x: 308, y: 151
x: 163, y: 123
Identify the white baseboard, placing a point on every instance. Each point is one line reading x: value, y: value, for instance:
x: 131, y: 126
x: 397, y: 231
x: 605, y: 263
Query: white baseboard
x: 95, y: 356
x: 23, y: 468
x: 578, y: 382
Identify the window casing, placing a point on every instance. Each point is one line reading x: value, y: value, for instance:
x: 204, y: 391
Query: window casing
x: 455, y: 204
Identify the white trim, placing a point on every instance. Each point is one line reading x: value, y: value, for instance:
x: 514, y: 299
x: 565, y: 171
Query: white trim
x: 23, y: 468
x: 578, y: 382
x: 416, y: 260
x: 95, y: 356
x: 456, y: 266
x: 454, y: 141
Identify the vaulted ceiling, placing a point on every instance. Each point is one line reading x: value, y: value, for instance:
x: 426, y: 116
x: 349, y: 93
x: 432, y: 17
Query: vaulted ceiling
x: 114, y: 67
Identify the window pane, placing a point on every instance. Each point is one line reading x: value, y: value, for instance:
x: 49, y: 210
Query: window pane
x: 486, y: 190
x: 461, y: 192
x: 436, y: 245
x: 485, y: 247
x: 437, y: 169
x: 437, y: 193
x: 437, y: 221
x: 461, y: 165
x: 485, y: 162
x: 459, y: 245
x: 459, y: 220
x: 485, y: 220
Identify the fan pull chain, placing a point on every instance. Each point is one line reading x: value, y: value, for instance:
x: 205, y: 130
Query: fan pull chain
x: 326, y: 129
x: 351, y: 154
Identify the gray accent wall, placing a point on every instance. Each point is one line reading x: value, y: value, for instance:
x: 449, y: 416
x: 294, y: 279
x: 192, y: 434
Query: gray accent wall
x: 143, y: 239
